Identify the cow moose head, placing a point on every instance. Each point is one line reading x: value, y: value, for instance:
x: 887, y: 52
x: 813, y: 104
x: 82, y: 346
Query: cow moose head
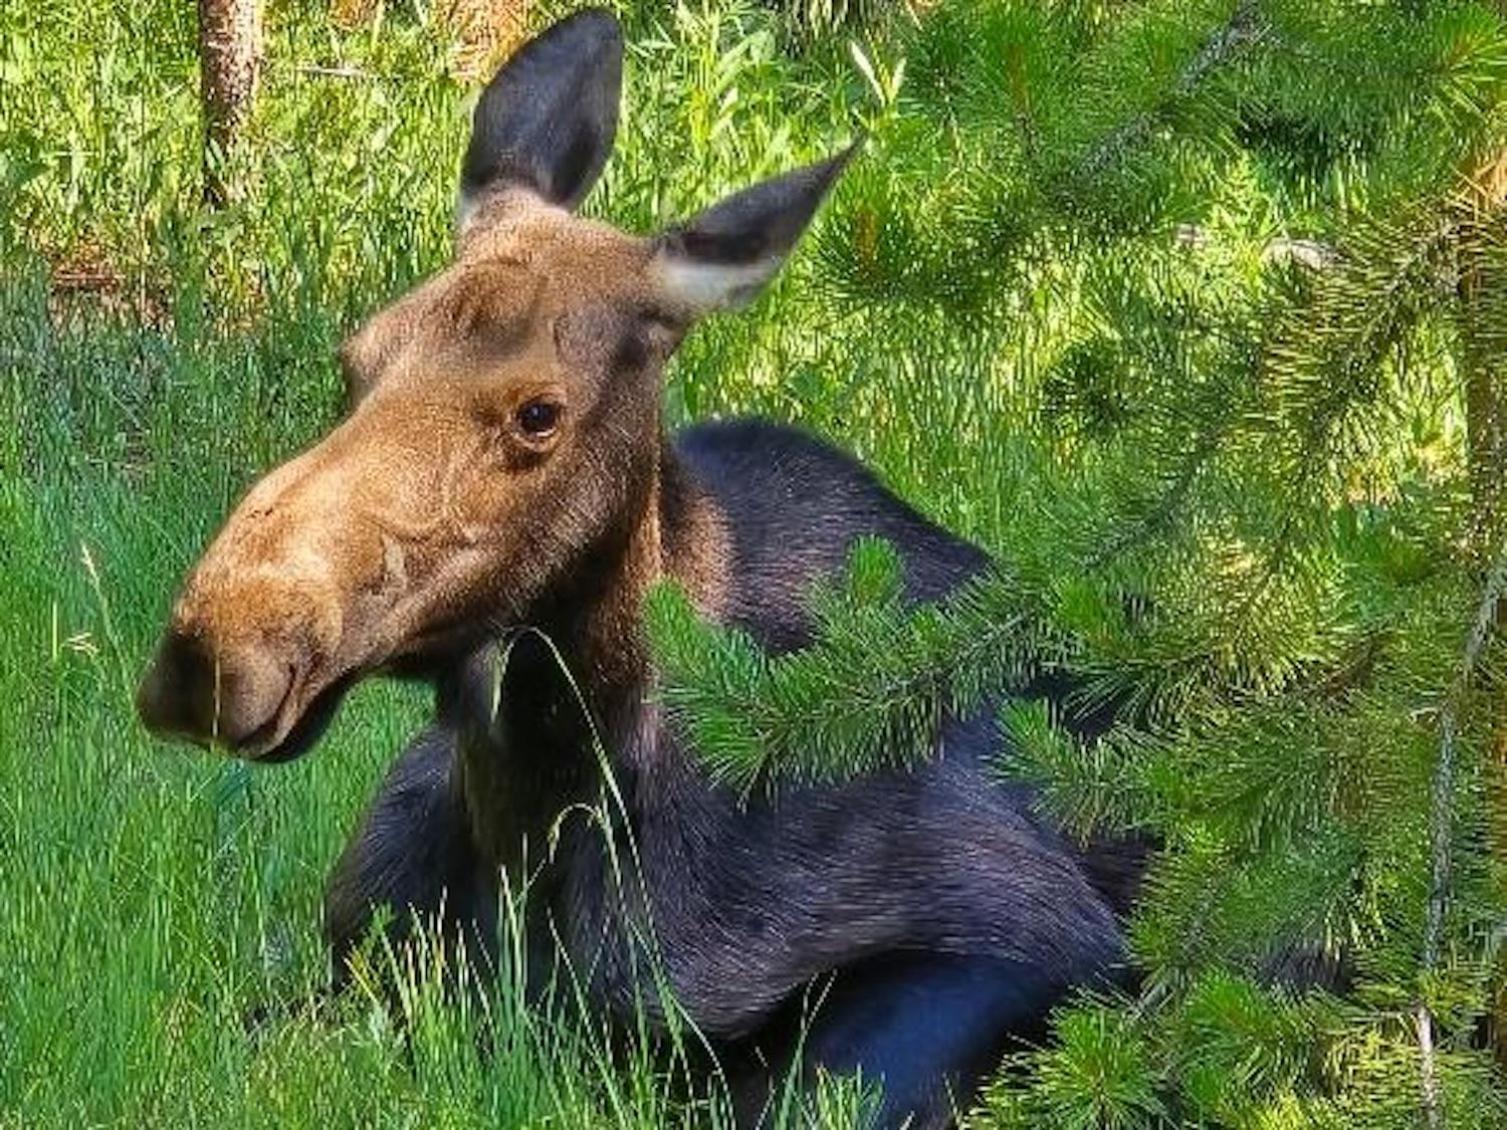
x: 503, y: 425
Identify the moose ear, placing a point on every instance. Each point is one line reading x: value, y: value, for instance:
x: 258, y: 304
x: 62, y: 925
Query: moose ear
x: 723, y: 257
x: 547, y: 119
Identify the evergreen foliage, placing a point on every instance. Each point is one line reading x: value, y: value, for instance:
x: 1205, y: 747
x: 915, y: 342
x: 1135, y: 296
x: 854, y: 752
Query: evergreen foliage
x: 1214, y: 284
x: 805, y: 715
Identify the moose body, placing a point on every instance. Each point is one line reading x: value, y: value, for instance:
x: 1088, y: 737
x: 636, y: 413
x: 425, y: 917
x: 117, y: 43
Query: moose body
x: 492, y: 514
x: 938, y: 880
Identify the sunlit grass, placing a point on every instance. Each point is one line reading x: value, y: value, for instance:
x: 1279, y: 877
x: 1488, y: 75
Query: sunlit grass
x: 159, y: 907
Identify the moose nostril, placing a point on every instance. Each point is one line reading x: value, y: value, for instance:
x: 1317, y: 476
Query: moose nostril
x: 172, y: 690
x: 190, y: 694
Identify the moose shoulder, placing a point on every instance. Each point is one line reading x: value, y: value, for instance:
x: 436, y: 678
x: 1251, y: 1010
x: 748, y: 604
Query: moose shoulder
x: 491, y: 514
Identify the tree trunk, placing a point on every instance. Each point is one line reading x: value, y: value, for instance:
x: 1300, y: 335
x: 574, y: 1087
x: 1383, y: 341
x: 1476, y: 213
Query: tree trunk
x: 1481, y: 326
x: 230, y: 56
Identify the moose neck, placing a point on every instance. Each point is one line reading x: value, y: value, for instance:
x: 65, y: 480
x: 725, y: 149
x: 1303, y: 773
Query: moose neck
x: 584, y: 678
x: 673, y: 532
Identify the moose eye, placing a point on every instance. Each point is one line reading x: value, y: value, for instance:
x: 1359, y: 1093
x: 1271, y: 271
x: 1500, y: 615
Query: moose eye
x: 538, y: 418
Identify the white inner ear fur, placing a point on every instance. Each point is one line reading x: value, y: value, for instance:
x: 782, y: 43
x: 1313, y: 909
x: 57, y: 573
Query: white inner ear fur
x: 704, y: 287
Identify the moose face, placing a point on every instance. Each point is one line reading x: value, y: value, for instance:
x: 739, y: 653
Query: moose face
x: 504, y: 425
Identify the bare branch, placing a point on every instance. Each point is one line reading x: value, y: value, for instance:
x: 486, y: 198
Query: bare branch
x: 1246, y: 25
x: 1441, y: 822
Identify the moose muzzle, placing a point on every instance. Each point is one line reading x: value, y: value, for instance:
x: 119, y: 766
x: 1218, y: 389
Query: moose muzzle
x: 252, y: 652
x: 238, y: 700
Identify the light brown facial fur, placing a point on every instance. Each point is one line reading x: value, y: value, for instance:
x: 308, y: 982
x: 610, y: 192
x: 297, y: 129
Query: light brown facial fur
x: 432, y: 507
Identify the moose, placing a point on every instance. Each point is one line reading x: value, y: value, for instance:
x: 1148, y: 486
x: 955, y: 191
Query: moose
x: 489, y: 516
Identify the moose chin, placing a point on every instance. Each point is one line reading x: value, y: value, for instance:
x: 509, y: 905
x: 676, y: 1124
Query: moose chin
x: 503, y: 464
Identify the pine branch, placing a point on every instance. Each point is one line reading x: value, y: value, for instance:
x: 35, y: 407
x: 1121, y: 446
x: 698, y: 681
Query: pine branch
x: 1161, y: 512
x: 872, y: 691
x: 1091, y: 787
x: 1247, y: 25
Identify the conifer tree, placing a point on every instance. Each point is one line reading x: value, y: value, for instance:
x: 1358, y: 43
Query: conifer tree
x: 1206, y: 326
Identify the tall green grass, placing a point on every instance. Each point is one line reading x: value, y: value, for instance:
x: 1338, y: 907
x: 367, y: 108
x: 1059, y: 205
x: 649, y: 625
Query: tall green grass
x: 160, y: 961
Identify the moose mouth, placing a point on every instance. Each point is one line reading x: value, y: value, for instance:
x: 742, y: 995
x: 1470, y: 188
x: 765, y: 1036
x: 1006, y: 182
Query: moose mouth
x: 419, y: 666
x: 304, y: 733
x: 253, y: 688
x: 258, y: 706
